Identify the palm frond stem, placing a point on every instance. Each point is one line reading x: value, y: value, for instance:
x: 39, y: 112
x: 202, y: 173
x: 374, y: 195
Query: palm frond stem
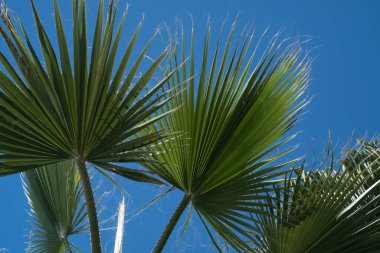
x: 172, y: 223
x: 91, y: 208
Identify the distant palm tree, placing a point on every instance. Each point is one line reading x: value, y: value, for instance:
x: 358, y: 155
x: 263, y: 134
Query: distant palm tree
x: 80, y: 107
x: 230, y: 123
x: 322, y: 210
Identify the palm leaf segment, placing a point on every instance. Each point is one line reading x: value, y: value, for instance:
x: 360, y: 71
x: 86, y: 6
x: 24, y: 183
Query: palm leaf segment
x: 54, y: 194
x: 231, y: 120
x: 84, y: 106
x: 366, y: 154
x: 325, y: 210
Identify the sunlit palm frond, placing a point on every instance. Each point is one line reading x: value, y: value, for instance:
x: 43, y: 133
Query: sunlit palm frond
x: 233, y: 111
x: 54, y: 194
x: 326, y: 210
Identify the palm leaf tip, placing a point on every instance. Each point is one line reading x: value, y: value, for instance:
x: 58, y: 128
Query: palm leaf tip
x: 234, y: 114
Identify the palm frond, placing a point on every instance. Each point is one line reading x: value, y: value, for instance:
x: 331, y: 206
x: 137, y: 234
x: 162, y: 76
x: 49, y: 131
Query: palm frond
x: 232, y: 114
x: 80, y: 106
x: 324, y: 210
x: 54, y: 194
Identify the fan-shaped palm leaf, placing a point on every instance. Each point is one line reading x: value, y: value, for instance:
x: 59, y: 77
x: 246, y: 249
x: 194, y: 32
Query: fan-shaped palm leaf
x: 54, y: 194
x: 231, y: 121
x: 323, y: 211
x: 83, y: 107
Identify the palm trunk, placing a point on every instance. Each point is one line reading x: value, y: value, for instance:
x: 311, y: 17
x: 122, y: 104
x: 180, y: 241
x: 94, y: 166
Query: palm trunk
x: 172, y: 223
x: 91, y: 208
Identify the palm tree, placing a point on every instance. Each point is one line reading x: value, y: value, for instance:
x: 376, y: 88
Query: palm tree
x: 231, y: 122
x: 324, y: 210
x: 54, y: 194
x: 84, y: 107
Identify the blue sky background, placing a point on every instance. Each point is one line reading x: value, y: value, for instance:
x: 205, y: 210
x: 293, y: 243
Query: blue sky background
x: 345, y: 88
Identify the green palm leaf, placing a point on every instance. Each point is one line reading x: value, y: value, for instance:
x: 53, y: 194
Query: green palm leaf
x: 63, y: 111
x: 83, y: 106
x: 54, y: 194
x: 232, y: 120
x: 324, y: 210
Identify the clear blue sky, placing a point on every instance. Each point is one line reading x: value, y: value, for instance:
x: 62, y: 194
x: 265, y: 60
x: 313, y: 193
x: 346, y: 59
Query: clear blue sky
x: 345, y: 90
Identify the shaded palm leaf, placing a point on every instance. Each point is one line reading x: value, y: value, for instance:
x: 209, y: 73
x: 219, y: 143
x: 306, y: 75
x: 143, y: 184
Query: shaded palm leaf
x: 232, y: 117
x: 54, y: 194
x: 81, y: 106
x: 324, y: 210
